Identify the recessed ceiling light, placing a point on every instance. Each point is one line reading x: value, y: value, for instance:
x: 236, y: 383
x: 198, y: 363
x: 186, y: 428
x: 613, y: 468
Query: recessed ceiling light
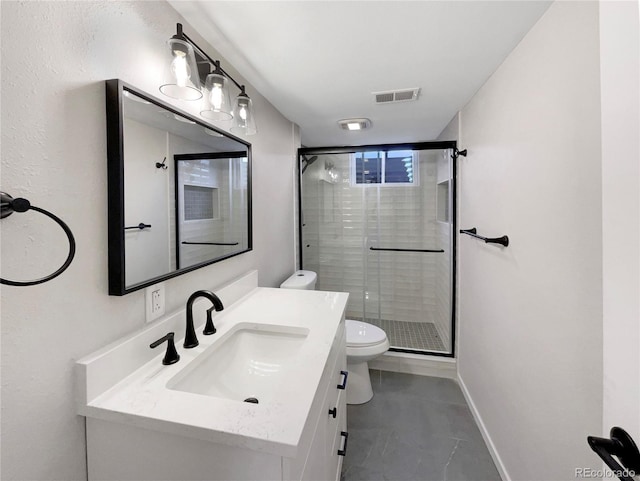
x: 354, y: 124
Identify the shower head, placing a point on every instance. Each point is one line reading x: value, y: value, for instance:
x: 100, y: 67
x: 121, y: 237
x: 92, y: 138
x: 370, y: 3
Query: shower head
x: 308, y: 161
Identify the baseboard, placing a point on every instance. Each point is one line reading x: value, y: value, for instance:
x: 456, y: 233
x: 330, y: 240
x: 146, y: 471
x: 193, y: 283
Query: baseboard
x: 418, y: 364
x: 485, y: 434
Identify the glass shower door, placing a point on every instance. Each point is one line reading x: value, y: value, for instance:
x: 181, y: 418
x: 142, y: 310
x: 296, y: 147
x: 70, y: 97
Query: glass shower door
x: 378, y: 224
x: 407, y: 268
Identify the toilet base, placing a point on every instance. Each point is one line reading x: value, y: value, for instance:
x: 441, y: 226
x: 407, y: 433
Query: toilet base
x: 359, y: 389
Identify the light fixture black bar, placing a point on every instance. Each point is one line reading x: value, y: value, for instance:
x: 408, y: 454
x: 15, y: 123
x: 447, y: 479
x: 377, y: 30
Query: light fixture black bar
x: 394, y: 249
x: 183, y: 35
x: 211, y: 243
x: 504, y: 240
x: 140, y: 226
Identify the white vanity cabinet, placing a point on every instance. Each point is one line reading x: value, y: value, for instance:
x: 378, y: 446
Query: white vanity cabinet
x: 323, y: 442
x: 125, y: 451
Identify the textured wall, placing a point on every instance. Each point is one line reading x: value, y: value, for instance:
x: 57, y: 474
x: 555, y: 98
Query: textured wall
x: 531, y: 314
x: 55, y: 57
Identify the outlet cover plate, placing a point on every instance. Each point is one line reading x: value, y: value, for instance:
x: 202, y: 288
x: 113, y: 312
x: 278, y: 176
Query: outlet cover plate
x: 154, y: 300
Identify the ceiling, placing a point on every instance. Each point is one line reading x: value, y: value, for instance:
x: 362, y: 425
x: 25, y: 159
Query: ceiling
x: 319, y: 61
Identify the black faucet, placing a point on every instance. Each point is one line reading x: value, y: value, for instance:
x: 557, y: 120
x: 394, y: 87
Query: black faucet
x: 190, y: 339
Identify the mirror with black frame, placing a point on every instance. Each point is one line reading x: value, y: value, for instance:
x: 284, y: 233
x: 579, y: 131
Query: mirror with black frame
x: 179, y: 191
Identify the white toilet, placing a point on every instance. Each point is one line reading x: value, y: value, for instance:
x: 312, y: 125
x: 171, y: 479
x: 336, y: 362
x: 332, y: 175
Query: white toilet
x: 364, y: 343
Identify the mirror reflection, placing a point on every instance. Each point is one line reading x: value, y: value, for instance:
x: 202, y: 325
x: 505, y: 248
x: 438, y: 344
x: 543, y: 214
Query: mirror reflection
x: 186, y: 192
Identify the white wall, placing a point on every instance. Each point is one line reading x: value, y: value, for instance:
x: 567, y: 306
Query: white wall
x: 146, y: 190
x: 55, y: 57
x: 620, y: 84
x: 530, y: 353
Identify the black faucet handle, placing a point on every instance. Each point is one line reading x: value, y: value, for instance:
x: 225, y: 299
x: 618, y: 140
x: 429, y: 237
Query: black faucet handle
x: 171, y: 356
x: 209, y: 328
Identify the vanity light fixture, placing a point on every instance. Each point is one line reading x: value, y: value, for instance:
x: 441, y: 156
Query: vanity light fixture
x: 182, y: 79
x: 354, y: 124
x: 243, y: 118
x: 216, y: 104
x: 190, y: 67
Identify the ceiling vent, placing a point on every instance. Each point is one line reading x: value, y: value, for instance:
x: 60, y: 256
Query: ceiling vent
x: 392, y: 96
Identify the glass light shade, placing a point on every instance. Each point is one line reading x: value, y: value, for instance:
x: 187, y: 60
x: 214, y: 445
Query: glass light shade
x: 216, y: 104
x: 244, y: 121
x: 181, y: 78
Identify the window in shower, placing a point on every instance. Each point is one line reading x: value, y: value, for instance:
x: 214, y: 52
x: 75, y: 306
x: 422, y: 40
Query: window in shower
x: 371, y: 229
x: 384, y: 167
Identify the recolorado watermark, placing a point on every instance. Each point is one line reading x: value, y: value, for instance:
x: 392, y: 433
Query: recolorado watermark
x: 603, y: 473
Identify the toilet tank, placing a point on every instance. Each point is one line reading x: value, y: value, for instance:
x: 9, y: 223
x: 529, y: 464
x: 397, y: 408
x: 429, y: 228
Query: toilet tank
x: 305, y: 280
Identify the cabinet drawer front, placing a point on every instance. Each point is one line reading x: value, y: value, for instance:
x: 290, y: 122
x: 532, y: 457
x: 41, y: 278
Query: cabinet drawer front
x: 337, y: 442
x: 338, y: 379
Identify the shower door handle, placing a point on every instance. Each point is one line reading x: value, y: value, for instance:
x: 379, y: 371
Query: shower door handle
x: 396, y: 249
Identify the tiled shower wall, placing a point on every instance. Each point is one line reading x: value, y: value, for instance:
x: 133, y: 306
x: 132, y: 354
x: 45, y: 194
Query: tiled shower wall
x: 342, y: 221
x: 229, y: 176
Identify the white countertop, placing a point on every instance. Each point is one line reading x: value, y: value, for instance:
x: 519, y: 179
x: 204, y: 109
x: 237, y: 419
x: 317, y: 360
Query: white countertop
x: 142, y: 398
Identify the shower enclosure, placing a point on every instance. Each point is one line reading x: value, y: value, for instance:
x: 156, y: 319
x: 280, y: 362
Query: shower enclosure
x: 378, y: 222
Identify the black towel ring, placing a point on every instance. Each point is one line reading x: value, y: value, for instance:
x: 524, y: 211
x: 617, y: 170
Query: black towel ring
x: 8, y: 206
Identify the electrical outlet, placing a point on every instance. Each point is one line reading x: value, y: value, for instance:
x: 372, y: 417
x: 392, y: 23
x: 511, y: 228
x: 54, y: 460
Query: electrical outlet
x: 154, y: 302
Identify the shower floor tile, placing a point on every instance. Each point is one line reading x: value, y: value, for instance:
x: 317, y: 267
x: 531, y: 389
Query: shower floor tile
x: 421, y: 336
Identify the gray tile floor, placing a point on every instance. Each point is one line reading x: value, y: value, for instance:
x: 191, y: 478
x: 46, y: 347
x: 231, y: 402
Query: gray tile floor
x: 415, y: 428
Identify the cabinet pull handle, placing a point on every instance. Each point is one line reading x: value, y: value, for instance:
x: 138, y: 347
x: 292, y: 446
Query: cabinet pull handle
x: 344, y: 381
x: 343, y: 451
x: 333, y: 412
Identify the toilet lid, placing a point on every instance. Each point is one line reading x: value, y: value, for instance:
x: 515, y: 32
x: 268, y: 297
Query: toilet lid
x: 300, y: 280
x: 361, y: 334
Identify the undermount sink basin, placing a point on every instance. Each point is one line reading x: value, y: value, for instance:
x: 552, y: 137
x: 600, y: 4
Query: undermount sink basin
x: 253, y: 361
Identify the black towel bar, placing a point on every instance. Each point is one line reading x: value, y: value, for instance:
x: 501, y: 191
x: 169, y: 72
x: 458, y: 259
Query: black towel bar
x: 504, y: 240
x: 139, y: 226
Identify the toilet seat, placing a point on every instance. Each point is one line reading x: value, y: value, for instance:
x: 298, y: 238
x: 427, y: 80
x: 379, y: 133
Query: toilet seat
x: 361, y: 334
